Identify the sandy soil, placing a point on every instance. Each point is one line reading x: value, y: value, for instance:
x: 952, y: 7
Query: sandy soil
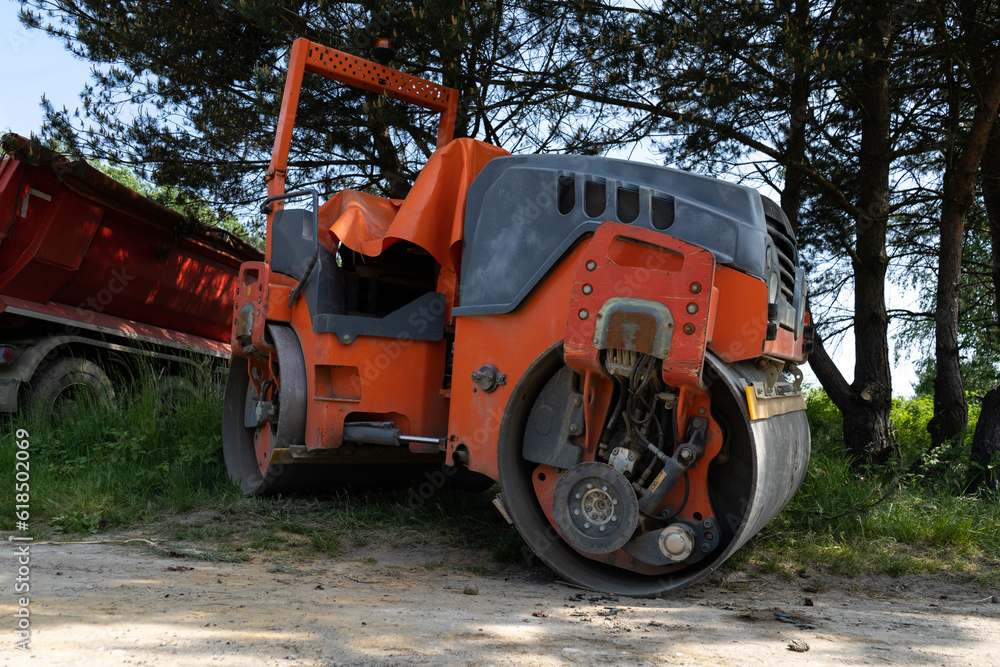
x: 114, y: 604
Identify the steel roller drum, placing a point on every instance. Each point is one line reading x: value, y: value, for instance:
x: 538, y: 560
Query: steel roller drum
x: 767, y: 461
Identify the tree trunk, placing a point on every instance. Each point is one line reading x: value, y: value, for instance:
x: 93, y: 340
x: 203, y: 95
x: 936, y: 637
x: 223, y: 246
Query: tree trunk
x: 991, y: 200
x: 798, y: 116
x: 951, y: 413
x: 986, y: 445
x: 866, y: 404
x: 866, y: 417
x: 986, y: 440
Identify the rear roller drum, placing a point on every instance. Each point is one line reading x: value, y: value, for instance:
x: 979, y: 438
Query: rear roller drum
x: 253, y: 429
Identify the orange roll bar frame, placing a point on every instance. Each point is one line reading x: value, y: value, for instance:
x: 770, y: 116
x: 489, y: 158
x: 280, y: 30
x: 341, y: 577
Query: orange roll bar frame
x: 307, y: 56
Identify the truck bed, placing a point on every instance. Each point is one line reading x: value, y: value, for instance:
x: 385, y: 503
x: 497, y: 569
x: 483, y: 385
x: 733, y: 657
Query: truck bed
x: 75, y: 240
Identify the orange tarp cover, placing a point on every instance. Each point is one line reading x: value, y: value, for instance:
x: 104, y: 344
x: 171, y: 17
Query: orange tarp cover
x: 432, y: 216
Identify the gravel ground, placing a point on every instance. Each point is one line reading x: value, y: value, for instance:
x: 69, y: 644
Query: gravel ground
x: 111, y: 604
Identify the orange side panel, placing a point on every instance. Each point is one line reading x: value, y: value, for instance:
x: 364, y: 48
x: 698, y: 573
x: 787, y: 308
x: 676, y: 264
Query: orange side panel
x: 432, y: 216
x: 786, y: 347
x: 399, y: 379
x: 511, y: 342
x: 741, y: 319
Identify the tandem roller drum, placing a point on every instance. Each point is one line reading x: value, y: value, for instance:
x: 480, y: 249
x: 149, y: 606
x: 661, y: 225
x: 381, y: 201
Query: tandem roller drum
x: 581, y: 520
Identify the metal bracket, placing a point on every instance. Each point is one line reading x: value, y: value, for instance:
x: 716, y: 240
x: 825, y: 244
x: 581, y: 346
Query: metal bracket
x: 637, y: 325
x: 696, y: 541
x: 269, y: 176
x: 796, y: 373
x: 773, y: 368
x: 685, y: 456
x: 266, y: 411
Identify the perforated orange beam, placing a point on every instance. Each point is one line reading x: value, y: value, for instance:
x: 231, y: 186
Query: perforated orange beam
x: 365, y: 74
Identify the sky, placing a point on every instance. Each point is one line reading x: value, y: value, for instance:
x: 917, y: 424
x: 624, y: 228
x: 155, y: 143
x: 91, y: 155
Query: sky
x: 36, y: 64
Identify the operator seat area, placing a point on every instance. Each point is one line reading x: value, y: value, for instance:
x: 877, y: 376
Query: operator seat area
x: 377, y: 259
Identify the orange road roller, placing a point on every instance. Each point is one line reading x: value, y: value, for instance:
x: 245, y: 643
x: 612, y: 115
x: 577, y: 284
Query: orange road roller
x: 616, y: 344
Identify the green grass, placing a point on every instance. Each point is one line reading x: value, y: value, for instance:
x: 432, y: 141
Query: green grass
x: 830, y: 524
x: 144, y: 465
x: 909, y: 517
x: 137, y: 461
x: 328, y: 544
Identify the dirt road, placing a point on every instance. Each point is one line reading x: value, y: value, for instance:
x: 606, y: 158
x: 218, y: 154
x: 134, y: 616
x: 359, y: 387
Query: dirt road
x: 113, y: 604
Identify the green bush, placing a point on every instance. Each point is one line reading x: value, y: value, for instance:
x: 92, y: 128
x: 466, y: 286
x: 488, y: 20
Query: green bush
x: 910, y: 515
x: 825, y: 421
x: 942, y: 468
x: 909, y: 421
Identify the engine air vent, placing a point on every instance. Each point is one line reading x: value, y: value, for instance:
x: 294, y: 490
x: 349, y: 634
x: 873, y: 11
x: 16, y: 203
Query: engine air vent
x: 595, y: 198
x: 566, y: 193
x: 784, y: 246
x: 661, y: 213
x: 628, y: 205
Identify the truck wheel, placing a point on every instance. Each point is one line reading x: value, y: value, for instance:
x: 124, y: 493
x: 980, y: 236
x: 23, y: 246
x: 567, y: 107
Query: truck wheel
x: 67, y: 384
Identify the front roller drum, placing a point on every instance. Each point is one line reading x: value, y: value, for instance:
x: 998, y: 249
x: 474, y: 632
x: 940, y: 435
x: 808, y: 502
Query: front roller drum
x: 764, y: 464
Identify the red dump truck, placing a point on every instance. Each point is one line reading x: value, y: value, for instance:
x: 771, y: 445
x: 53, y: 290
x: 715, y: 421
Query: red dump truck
x: 94, y: 274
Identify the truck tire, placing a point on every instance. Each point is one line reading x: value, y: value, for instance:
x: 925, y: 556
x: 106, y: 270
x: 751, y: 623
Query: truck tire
x: 66, y: 384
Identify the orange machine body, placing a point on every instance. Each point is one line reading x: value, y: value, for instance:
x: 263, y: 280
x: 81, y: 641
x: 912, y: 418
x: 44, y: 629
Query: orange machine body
x: 449, y: 373
x: 400, y: 379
